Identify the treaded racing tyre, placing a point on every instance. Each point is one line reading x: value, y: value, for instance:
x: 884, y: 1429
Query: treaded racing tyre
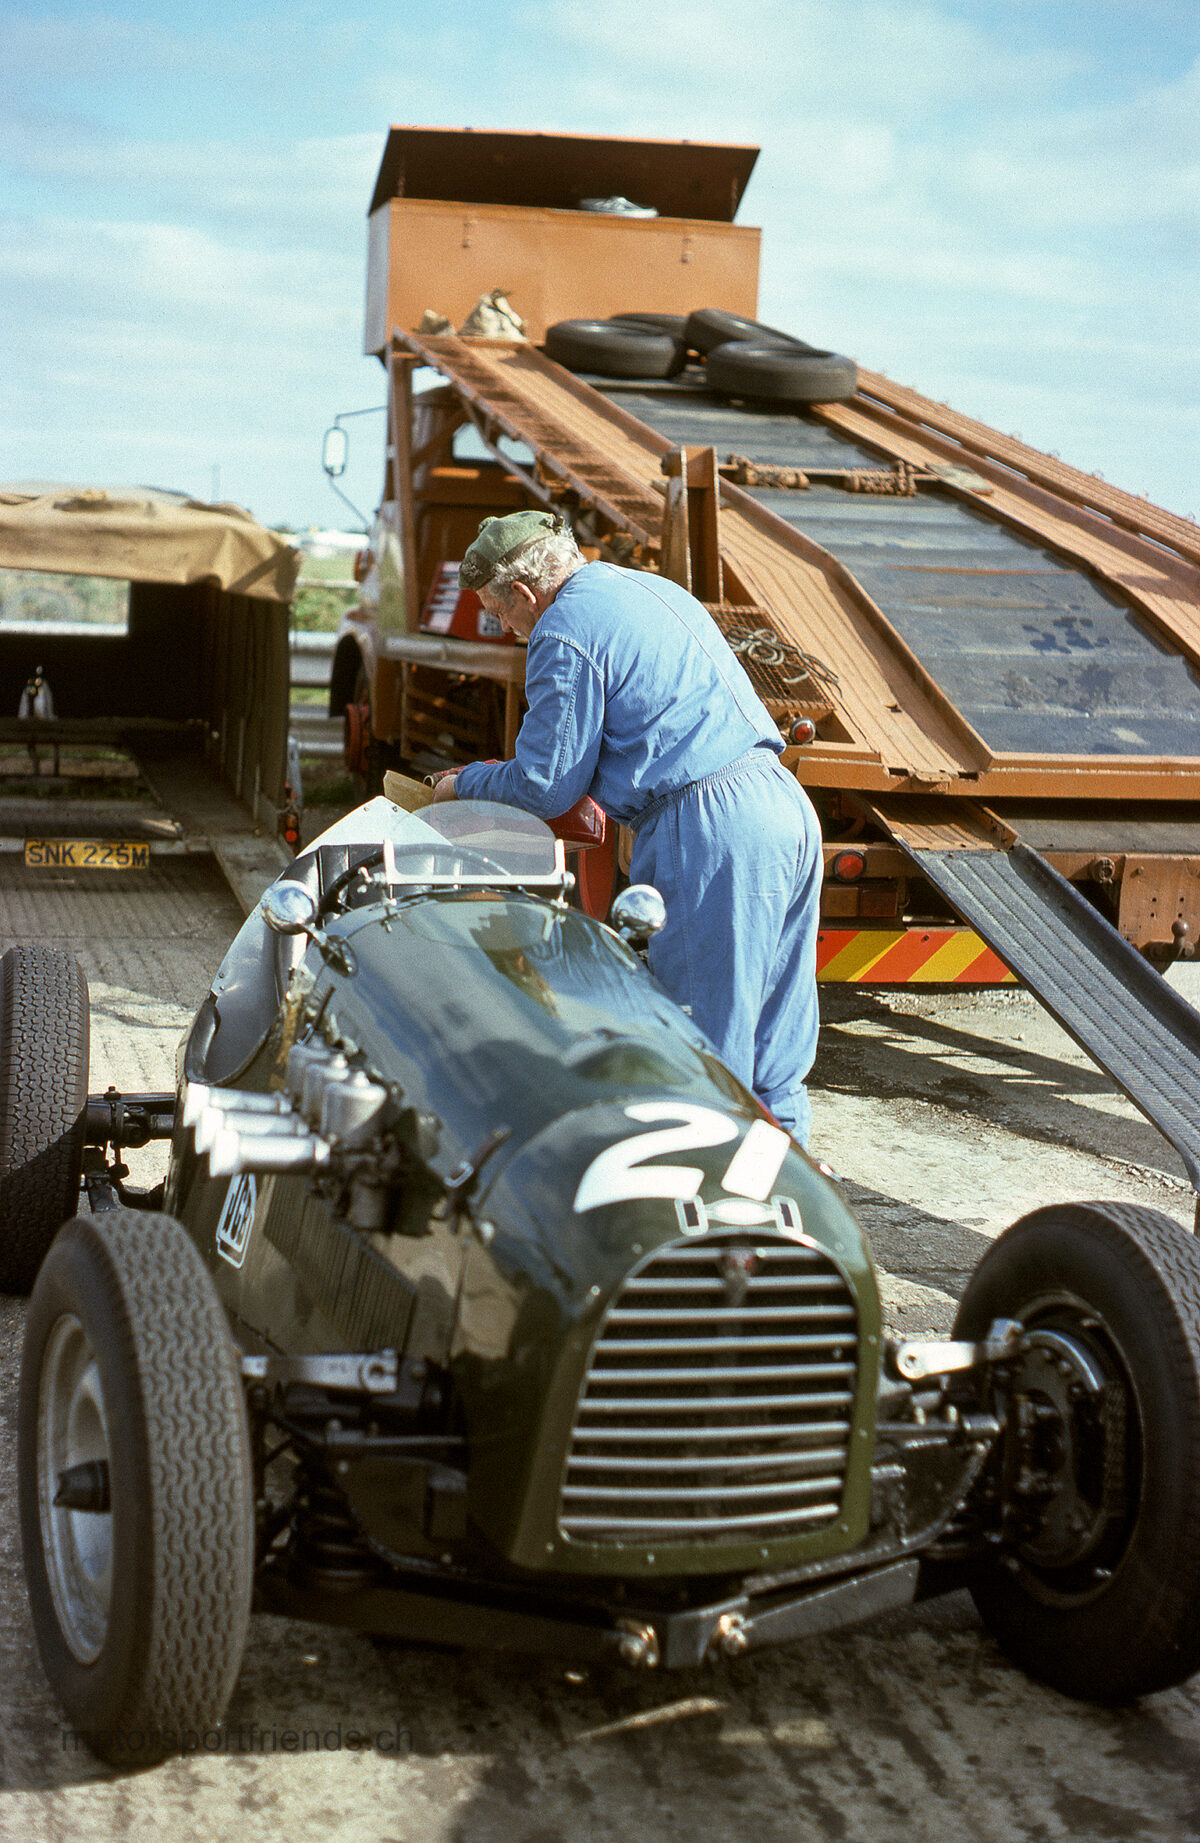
x: 1098, y: 1594
x: 44, y: 1030
x: 772, y: 373
x: 613, y: 350
x: 128, y: 1373
x: 709, y: 327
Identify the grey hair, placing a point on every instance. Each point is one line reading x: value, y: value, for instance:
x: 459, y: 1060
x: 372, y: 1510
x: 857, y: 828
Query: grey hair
x: 544, y: 564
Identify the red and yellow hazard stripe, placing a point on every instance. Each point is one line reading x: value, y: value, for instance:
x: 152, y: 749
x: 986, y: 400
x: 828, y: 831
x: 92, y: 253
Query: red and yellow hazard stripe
x: 908, y: 956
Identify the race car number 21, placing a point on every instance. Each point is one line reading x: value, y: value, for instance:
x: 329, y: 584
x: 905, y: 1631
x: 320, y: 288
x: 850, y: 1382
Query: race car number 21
x: 621, y: 1172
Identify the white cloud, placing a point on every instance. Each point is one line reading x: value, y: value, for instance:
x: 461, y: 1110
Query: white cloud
x: 903, y: 101
x: 279, y: 186
x: 100, y: 53
x: 1005, y: 221
x: 1134, y: 161
x: 94, y: 271
x: 154, y: 350
x: 904, y: 56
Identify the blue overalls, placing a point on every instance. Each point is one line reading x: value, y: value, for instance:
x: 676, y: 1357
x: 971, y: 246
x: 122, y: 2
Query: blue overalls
x: 635, y: 698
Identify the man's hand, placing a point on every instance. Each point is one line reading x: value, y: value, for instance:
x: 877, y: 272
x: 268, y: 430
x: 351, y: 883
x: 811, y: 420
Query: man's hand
x: 443, y: 789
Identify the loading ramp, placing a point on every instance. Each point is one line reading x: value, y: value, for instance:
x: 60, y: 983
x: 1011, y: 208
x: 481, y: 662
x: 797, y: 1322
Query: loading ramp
x: 1103, y: 992
x: 976, y: 636
x: 958, y: 617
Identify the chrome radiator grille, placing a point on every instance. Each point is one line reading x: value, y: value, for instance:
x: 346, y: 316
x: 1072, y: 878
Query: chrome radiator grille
x: 718, y: 1398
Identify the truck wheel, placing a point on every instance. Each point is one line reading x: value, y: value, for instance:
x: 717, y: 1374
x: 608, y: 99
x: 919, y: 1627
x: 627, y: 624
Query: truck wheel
x: 1095, y: 1585
x: 364, y: 756
x: 710, y: 327
x: 43, y: 1103
x: 777, y: 375
x: 611, y: 350
x: 136, y: 1492
x: 357, y: 735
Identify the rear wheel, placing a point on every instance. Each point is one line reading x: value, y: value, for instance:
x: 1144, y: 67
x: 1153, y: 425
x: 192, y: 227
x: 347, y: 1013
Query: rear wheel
x: 136, y: 1492
x: 44, y: 1028
x: 1095, y: 1584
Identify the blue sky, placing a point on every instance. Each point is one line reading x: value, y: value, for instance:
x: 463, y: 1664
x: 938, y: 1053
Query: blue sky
x: 993, y: 200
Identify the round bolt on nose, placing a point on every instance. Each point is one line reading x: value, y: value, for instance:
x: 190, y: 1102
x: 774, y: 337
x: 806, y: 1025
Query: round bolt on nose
x: 729, y: 1637
x: 638, y: 1646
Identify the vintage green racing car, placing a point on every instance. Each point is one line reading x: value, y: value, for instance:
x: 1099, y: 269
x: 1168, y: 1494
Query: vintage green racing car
x: 483, y: 1306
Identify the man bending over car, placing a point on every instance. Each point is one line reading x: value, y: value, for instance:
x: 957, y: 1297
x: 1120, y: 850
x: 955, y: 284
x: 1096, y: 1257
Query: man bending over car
x: 636, y: 698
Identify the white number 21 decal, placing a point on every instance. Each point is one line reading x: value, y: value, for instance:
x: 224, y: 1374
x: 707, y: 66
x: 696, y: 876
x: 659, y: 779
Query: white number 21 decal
x: 620, y: 1171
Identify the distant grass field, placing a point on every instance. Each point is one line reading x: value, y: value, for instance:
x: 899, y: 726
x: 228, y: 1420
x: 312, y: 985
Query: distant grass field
x: 317, y: 608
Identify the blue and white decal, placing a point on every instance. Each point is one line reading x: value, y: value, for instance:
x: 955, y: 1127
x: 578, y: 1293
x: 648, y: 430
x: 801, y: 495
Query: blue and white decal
x: 237, y: 1219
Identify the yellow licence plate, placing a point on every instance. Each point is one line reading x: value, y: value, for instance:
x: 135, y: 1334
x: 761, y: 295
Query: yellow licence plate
x: 86, y: 854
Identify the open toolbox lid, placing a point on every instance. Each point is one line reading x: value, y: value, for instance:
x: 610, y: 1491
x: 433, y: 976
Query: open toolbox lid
x: 679, y: 179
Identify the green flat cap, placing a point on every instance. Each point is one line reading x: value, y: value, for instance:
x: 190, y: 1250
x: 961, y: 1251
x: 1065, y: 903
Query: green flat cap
x: 499, y: 541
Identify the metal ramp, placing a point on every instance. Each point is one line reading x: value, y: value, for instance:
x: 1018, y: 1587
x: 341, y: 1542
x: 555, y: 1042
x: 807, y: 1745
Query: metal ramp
x: 972, y: 639
x: 975, y: 633
x: 1102, y: 991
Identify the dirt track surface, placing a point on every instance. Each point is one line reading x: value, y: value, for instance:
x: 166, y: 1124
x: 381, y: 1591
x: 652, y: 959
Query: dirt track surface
x: 947, y: 1115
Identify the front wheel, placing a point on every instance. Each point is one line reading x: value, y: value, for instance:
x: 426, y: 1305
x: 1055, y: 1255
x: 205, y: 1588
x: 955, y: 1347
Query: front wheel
x: 136, y: 1489
x: 1094, y: 1585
